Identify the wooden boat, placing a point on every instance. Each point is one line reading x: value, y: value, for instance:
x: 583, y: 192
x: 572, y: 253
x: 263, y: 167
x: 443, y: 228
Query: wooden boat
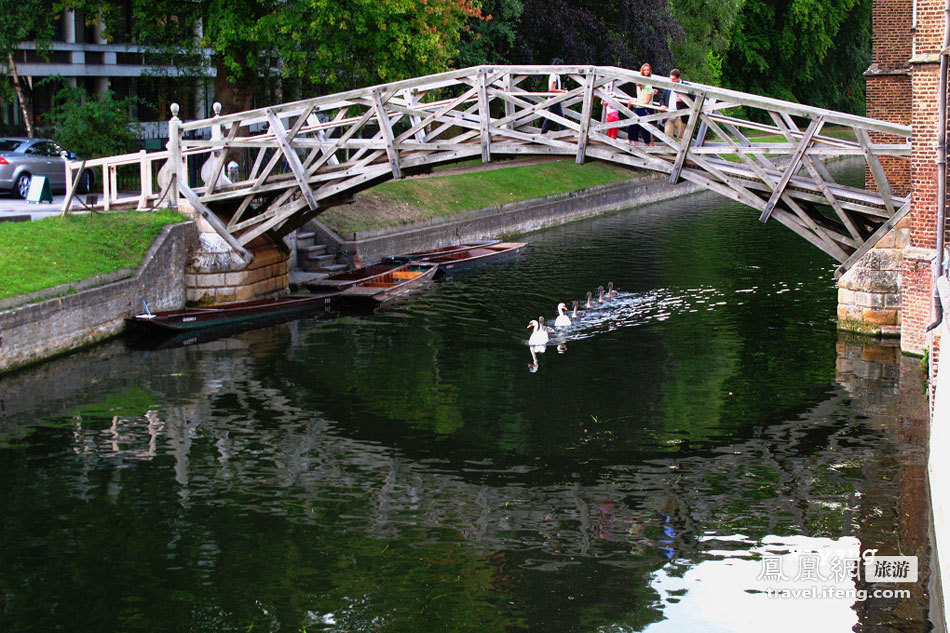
x: 231, y: 313
x: 341, y: 281
x: 467, y: 258
x: 398, y: 281
x: 445, y: 250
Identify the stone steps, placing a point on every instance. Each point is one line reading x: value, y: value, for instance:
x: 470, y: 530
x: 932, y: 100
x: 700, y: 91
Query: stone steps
x: 313, y: 256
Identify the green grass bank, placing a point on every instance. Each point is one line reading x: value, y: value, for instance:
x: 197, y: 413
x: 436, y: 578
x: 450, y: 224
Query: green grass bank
x: 54, y: 251
x: 412, y: 200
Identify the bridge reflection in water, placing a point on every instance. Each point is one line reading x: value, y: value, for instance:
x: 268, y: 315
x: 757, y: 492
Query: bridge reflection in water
x: 235, y: 499
x: 404, y: 470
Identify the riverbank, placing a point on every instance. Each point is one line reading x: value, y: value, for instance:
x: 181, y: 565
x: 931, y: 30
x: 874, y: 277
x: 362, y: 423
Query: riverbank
x: 500, y: 221
x: 78, y: 315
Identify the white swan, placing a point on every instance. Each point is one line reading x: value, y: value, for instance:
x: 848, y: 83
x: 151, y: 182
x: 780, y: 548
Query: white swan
x: 562, y: 319
x: 539, y: 336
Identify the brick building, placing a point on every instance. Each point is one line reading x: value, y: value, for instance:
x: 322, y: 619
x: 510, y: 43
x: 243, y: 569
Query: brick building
x: 902, y: 86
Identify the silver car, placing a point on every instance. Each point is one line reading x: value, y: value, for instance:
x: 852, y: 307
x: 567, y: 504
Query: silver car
x: 23, y: 158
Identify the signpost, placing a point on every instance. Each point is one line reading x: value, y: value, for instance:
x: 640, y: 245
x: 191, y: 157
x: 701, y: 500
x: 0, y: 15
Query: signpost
x: 39, y: 190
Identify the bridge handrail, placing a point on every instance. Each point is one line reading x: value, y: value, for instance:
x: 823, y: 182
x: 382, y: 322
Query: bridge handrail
x: 446, y: 79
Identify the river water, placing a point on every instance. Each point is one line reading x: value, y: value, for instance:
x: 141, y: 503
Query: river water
x: 670, y: 462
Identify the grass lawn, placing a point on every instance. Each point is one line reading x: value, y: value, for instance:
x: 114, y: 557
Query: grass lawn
x: 407, y: 201
x: 55, y: 251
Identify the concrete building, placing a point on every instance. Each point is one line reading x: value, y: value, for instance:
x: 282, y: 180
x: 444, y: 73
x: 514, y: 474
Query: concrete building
x: 81, y: 53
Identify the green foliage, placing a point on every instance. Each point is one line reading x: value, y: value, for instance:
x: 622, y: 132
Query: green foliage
x: 343, y: 45
x: 54, y: 251
x: 492, y: 40
x: 812, y: 51
x: 90, y: 125
x: 621, y: 33
x: 706, y: 28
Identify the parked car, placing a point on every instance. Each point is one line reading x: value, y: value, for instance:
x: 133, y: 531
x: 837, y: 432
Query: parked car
x: 23, y: 158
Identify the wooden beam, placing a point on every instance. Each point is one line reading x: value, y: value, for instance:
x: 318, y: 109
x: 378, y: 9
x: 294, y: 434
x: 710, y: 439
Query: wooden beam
x: 792, y: 169
x: 293, y: 161
x: 484, y: 116
x: 215, y: 223
x: 818, y: 173
x: 877, y: 172
x: 587, y: 111
x: 386, y: 128
x: 875, y: 237
x: 685, y: 142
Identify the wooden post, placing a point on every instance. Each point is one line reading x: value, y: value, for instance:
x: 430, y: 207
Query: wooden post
x: 145, y: 179
x: 174, y: 156
x: 280, y: 135
x: 386, y: 128
x: 484, y: 115
x: 877, y: 172
x: 587, y: 111
x: 509, y: 107
x: 685, y: 142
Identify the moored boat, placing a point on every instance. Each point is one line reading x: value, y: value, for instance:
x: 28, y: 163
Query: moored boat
x: 445, y: 250
x: 231, y: 313
x: 396, y: 282
x: 343, y: 280
x: 473, y: 256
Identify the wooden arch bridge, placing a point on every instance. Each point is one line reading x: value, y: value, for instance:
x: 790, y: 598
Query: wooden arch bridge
x: 303, y: 157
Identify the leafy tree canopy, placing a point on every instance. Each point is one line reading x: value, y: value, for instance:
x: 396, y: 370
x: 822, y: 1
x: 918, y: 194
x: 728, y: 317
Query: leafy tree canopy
x: 707, y: 26
x: 625, y: 32
x: 91, y: 125
x: 811, y: 51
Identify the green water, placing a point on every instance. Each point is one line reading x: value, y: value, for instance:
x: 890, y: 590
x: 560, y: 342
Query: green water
x: 421, y: 469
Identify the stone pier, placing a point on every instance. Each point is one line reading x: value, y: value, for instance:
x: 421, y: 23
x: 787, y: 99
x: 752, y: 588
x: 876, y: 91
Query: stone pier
x: 216, y: 275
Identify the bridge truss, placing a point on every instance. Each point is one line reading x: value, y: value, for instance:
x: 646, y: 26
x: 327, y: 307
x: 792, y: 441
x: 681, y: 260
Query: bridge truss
x: 301, y: 158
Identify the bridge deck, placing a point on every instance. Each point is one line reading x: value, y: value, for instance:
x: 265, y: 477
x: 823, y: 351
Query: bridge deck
x: 298, y: 159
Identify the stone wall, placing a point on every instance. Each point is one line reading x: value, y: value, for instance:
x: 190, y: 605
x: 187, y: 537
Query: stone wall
x: 492, y: 222
x: 36, y: 331
x: 869, y: 299
x: 216, y: 275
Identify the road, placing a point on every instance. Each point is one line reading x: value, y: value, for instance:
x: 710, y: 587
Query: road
x: 11, y: 207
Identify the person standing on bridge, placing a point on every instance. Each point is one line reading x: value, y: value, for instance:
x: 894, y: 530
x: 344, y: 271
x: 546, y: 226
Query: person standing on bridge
x: 636, y: 132
x: 554, y: 85
x: 612, y: 115
x: 672, y: 101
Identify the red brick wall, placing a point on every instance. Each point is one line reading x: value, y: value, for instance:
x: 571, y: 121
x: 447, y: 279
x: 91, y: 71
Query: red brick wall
x: 891, y: 39
x: 889, y: 82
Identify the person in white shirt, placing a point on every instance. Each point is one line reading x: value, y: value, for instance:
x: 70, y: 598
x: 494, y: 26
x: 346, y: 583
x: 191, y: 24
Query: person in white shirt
x: 675, y: 126
x: 554, y: 85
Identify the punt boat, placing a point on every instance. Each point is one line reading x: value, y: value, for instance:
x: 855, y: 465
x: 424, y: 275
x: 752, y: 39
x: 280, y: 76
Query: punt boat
x: 236, y: 313
x: 445, y: 250
x: 385, y: 287
x: 459, y: 260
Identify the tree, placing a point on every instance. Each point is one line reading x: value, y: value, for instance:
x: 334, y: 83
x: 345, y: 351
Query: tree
x: 706, y: 26
x: 343, y: 45
x: 492, y: 39
x: 625, y: 33
x: 28, y: 20
x: 801, y: 50
x: 325, y: 45
x: 91, y: 125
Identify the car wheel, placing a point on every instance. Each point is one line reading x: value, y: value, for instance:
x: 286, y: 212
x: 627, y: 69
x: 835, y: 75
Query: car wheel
x: 22, y: 185
x: 85, y: 182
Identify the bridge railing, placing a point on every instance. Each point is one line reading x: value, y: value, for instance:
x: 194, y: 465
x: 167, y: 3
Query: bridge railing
x: 302, y: 157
